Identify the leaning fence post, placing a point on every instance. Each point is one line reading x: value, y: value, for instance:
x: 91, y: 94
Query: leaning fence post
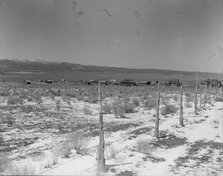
x: 101, y: 148
x: 181, y: 106
x: 157, y: 112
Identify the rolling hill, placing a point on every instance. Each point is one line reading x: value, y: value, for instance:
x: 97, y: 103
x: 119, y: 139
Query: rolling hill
x: 18, y: 70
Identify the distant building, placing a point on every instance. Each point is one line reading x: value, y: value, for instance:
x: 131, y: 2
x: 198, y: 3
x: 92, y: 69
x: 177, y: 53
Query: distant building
x: 128, y: 82
x: 49, y: 81
x: 26, y: 82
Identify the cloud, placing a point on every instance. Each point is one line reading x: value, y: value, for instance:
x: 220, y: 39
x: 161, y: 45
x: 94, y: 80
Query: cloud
x: 137, y: 14
x: 74, y: 5
x: 138, y: 32
x: 211, y: 57
x: 180, y: 40
x: 107, y: 12
x: 220, y: 48
x: 149, y: 2
x: 78, y: 14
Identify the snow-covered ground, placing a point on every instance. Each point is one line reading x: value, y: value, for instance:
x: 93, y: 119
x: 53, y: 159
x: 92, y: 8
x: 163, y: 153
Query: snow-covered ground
x: 195, y: 149
x: 173, y: 159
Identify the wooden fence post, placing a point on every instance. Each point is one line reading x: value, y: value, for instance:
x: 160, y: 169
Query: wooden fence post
x: 101, y: 148
x: 205, y: 97
x: 200, y: 108
x: 157, y: 112
x: 181, y: 106
x: 221, y: 128
x: 195, y: 99
x: 216, y: 92
x: 209, y: 94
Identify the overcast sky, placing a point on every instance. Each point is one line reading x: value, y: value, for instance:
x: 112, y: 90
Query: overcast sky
x: 162, y: 34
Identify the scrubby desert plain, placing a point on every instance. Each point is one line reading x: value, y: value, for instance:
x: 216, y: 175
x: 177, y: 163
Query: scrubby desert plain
x: 52, y: 129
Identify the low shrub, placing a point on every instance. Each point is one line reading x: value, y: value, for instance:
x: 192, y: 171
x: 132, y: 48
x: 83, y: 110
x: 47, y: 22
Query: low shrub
x: 71, y: 94
x: 4, y: 162
x: 107, y: 108
x: 150, y: 103
x: 26, y: 168
x: 79, y: 142
x: 189, y: 99
x: 111, y: 152
x: 24, y: 94
x: 135, y: 101
x: 188, y: 105
x: 4, y: 93
x: 128, y: 106
x: 90, y: 99
x: 10, y: 120
x: 219, y: 99
x: 168, y: 109
x: 66, y: 99
x: 14, y: 100
x: 58, y: 104
x: 87, y: 110
x: 37, y: 96
x: 52, y: 160
x: 76, y: 141
x: 144, y: 146
x: 119, y: 108
x: 175, y: 97
x: 63, y: 150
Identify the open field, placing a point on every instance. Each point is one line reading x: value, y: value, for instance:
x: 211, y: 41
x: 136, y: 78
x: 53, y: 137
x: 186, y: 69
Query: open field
x: 52, y: 129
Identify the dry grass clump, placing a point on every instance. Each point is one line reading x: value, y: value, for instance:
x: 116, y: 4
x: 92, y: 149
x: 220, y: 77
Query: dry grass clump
x: 107, y: 108
x: 150, y: 103
x: 58, y: 104
x: 4, y: 162
x: 71, y: 94
x: 91, y: 99
x: 119, y: 108
x: 128, y: 106
x: 4, y: 93
x: 52, y: 160
x: 63, y: 150
x: 168, y: 109
x: 135, y: 101
x: 79, y: 142
x: 189, y: 99
x: 188, y: 105
x: 144, y: 146
x: 111, y: 152
x: 14, y: 100
x: 219, y: 99
x: 66, y: 99
x: 87, y: 110
x: 75, y: 141
x: 175, y: 97
x: 9, y: 119
x: 37, y: 96
x: 26, y: 168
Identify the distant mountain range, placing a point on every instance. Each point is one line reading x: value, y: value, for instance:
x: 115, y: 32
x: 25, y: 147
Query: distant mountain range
x: 15, y: 70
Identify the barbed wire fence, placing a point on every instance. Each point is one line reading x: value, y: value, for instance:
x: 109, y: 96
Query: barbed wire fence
x: 202, y: 93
